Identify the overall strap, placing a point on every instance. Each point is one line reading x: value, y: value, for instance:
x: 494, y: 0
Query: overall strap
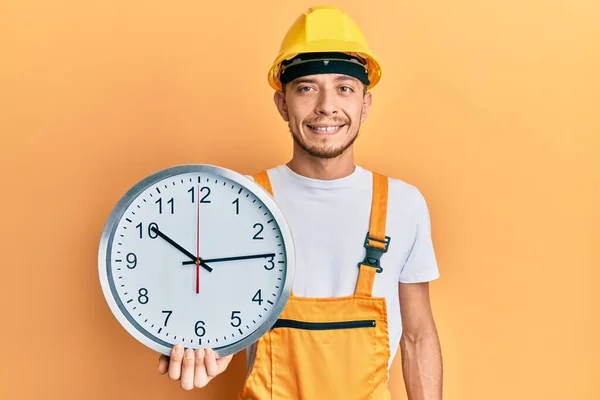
x: 262, y: 178
x: 376, y: 243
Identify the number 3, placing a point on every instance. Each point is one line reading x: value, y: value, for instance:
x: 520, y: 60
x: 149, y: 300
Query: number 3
x: 271, y: 262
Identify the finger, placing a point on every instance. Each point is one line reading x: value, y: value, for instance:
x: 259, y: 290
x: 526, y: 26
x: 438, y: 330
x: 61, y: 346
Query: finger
x: 223, y: 362
x: 163, y: 364
x: 175, y: 362
x: 200, y: 377
x: 187, y: 372
x: 211, y: 363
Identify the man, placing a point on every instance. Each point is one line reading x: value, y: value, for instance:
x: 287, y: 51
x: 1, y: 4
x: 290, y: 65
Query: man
x: 363, y: 241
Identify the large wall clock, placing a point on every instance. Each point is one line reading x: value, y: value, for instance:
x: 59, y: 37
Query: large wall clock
x: 199, y: 255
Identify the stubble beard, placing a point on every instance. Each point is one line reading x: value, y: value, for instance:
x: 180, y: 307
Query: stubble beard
x: 321, y: 151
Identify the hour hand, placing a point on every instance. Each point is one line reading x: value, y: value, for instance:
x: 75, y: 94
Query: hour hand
x: 181, y: 249
x: 214, y: 260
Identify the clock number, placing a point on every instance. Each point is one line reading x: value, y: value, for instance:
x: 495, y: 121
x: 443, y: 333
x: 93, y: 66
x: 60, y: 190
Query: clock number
x: 259, y: 295
x: 202, y: 200
x: 131, y: 258
x: 206, y: 195
x: 237, y: 205
x: 168, y: 315
x: 143, y: 296
x: 171, y: 202
x: 235, y: 317
x: 151, y: 233
x: 270, y: 262
x: 200, y: 326
x: 260, y: 226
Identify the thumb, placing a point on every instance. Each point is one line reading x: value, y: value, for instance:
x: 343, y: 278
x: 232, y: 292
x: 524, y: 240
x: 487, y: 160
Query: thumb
x: 223, y: 362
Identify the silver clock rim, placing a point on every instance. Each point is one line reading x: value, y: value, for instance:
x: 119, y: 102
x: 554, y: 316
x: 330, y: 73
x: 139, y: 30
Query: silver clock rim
x: 107, y: 237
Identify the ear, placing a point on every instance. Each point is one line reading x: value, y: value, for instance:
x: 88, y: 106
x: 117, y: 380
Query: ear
x: 366, y: 106
x: 279, y: 100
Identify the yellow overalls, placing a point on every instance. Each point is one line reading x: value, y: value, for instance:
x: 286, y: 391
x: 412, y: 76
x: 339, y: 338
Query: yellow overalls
x: 329, y: 348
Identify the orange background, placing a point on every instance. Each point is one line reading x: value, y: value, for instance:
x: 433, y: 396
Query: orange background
x: 491, y: 108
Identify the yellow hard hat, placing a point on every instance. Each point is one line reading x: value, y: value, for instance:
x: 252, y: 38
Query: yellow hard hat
x: 324, y: 29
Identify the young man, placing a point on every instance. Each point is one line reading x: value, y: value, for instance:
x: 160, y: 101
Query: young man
x: 363, y: 241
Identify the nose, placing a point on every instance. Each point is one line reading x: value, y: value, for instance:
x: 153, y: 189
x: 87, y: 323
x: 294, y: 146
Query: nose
x: 326, y: 103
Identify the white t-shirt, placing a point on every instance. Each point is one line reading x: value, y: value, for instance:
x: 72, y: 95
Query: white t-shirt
x: 329, y: 219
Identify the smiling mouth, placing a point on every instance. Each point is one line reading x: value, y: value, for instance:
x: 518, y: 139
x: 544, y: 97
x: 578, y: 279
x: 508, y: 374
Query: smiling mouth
x: 325, y: 129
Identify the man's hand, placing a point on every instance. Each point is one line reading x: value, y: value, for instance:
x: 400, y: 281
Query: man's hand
x: 193, y: 368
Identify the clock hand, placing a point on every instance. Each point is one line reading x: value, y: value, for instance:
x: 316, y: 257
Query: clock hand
x: 178, y: 247
x: 204, y: 265
x: 213, y: 260
x: 198, y: 246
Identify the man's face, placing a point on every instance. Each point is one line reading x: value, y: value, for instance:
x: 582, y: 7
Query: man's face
x: 324, y: 112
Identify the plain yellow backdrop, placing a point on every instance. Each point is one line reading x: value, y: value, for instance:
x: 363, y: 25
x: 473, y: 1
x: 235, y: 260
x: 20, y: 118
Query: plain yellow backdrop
x: 491, y: 108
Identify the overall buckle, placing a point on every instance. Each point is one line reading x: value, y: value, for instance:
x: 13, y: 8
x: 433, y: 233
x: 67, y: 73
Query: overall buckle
x: 372, y: 259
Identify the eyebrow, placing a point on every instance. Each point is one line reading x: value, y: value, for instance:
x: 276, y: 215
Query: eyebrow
x: 304, y: 80
x: 339, y: 78
x: 346, y: 78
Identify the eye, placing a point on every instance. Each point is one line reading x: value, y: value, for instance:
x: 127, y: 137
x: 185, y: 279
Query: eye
x: 305, y: 89
x: 346, y: 89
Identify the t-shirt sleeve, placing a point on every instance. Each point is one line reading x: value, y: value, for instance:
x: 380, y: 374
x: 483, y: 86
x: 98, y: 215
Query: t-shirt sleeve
x: 420, y: 264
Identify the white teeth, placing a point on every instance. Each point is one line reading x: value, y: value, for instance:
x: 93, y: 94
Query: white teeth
x: 325, y: 128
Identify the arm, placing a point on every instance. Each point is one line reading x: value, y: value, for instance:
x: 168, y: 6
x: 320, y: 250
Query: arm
x: 420, y: 346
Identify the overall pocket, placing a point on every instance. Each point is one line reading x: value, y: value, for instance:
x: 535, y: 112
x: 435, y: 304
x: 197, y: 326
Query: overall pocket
x: 323, y: 359
x: 319, y: 326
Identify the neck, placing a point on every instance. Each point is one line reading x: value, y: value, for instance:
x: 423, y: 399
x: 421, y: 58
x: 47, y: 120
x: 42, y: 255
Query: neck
x: 322, y: 168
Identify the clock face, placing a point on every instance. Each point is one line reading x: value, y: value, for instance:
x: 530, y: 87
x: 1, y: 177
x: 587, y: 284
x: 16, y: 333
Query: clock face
x: 198, y: 255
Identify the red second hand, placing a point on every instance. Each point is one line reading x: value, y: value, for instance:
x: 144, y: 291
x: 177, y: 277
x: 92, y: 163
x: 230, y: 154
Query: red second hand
x: 198, y: 244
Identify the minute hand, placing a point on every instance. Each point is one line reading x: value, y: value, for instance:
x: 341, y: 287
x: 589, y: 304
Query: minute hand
x: 214, y: 260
